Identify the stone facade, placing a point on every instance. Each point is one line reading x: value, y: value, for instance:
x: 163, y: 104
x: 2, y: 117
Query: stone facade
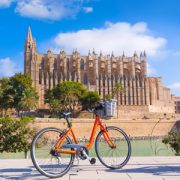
x: 177, y: 104
x: 99, y: 73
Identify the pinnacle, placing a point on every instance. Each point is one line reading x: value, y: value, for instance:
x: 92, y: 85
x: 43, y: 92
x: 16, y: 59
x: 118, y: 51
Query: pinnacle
x: 135, y: 53
x: 144, y: 53
x: 29, y: 37
x: 49, y: 49
x: 112, y: 54
x: 89, y: 52
x: 141, y: 54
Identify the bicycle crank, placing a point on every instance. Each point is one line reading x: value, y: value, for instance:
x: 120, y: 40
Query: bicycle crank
x: 91, y: 160
x: 82, y: 151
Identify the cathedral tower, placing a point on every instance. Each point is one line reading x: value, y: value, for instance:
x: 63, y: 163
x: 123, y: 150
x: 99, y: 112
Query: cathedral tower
x: 29, y: 54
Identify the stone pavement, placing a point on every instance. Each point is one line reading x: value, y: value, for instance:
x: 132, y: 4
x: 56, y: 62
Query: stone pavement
x: 145, y: 168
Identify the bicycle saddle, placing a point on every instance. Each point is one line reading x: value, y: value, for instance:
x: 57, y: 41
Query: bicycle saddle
x: 65, y: 114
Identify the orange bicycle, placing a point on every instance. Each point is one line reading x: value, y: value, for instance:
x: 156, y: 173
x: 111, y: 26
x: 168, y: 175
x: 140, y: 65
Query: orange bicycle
x: 53, y: 150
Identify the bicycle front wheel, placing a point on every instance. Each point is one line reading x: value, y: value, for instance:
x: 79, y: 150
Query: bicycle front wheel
x: 44, y: 157
x: 113, y: 157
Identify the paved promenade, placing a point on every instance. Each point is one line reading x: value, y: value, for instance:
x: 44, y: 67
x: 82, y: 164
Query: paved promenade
x: 145, y: 168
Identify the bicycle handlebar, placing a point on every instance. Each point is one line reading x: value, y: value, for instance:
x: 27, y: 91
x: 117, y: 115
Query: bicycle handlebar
x: 99, y: 106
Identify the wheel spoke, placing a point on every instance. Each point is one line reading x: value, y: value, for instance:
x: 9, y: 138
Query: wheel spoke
x: 44, y: 157
x: 113, y: 157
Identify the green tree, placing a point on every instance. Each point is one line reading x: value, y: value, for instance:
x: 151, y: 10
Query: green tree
x: 118, y: 89
x: 90, y: 98
x: 108, y: 97
x: 20, y: 81
x: 52, y: 101
x: 6, y: 98
x: 24, y: 95
x: 15, y: 135
x: 65, y: 96
x: 29, y: 99
x: 173, y: 139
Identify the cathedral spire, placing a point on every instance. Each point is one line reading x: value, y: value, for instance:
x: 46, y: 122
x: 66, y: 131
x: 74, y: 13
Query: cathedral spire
x: 135, y: 54
x: 144, y: 53
x: 141, y: 54
x: 112, y: 54
x: 89, y: 52
x: 29, y: 37
x: 49, y: 50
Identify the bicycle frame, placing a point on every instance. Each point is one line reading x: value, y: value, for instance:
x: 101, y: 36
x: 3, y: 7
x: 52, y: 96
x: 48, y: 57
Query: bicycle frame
x: 70, y: 131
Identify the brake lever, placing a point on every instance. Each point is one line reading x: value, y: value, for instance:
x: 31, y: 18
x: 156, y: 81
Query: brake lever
x: 90, y: 110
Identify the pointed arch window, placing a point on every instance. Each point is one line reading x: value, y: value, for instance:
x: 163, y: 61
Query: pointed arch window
x: 85, y: 79
x: 68, y: 64
x: 82, y: 64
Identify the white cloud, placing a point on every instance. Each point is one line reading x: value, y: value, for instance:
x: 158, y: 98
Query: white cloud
x: 151, y: 71
x: 5, y: 3
x: 175, y: 86
x: 116, y: 37
x: 8, y: 67
x: 88, y: 9
x: 48, y: 9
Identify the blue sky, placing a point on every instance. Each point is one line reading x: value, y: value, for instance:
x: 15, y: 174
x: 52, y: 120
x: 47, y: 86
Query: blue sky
x: 105, y: 25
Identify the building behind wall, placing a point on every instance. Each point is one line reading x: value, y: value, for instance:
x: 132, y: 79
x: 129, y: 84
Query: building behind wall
x: 98, y: 73
x: 177, y: 104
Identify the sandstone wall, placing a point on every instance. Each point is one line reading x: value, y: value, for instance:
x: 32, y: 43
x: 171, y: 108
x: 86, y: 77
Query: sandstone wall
x: 161, y: 108
x: 132, y: 112
x: 134, y: 128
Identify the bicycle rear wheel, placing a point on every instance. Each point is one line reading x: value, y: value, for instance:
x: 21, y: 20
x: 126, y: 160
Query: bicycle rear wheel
x: 113, y: 157
x: 44, y: 157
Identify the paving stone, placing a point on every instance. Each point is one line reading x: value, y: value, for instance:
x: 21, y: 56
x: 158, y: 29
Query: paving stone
x: 145, y: 168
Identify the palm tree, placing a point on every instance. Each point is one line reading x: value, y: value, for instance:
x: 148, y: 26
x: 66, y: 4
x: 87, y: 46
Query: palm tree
x: 117, y: 90
x: 29, y: 99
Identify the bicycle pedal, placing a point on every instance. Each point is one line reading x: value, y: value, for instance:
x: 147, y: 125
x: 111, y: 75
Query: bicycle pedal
x: 92, y: 161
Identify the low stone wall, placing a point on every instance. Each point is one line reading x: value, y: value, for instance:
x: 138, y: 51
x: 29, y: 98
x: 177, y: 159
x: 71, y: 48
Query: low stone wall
x: 134, y: 128
x: 131, y: 112
x: 161, y: 108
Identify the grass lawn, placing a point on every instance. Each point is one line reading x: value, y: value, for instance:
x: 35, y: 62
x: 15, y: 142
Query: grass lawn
x: 139, y: 148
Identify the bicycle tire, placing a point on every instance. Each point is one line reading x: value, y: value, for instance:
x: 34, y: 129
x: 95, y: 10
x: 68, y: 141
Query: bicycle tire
x: 101, y: 143
x: 34, y: 154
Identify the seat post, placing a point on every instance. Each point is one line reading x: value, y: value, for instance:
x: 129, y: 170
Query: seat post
x: 67, y: 120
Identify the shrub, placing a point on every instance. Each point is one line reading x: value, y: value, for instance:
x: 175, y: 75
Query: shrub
x: 173, y: 139
x: 15, y: 135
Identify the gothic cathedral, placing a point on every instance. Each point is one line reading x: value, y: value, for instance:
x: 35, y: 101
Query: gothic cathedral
x: 98, y: 73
